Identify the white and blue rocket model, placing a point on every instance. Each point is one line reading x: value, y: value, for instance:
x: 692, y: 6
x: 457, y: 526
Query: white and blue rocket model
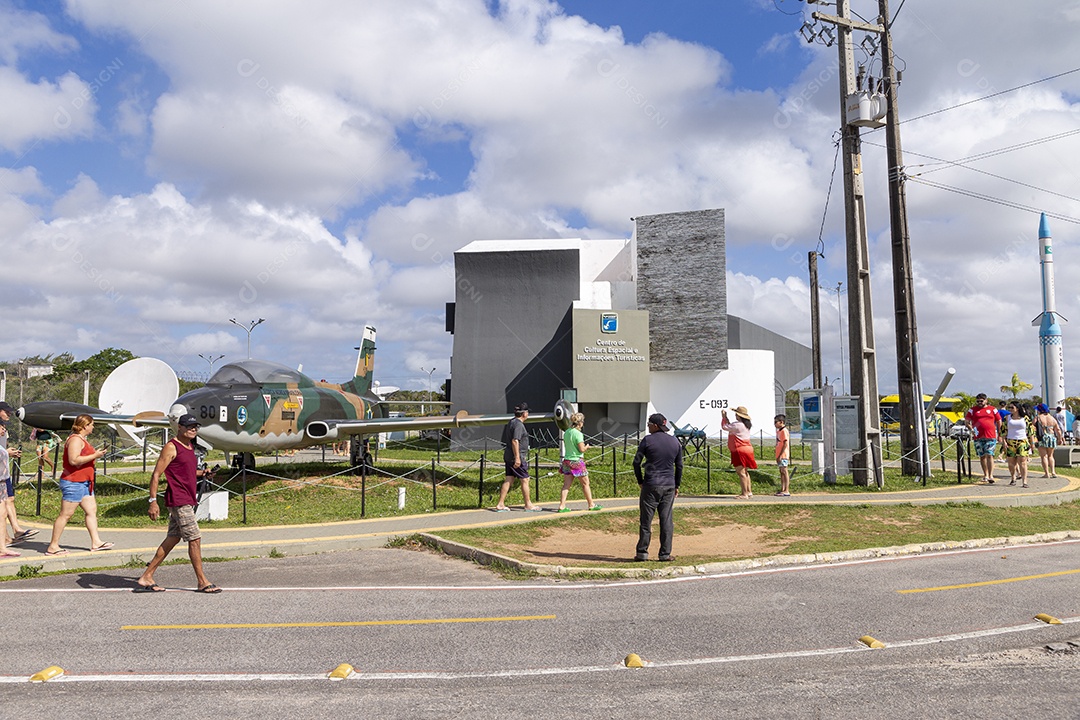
x: 1053, y: 363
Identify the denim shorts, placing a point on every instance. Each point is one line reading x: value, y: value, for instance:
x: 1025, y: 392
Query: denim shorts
x: 74, y: 491
x: 9, y: 488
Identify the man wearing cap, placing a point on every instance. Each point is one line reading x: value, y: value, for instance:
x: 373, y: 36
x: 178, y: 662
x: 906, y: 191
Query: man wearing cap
x: 662, y: 455
x: 181, y: 468
x: 515, y: 441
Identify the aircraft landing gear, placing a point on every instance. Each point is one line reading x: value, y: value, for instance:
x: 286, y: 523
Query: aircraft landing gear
x: 243, y: 460
x: 359, y: 457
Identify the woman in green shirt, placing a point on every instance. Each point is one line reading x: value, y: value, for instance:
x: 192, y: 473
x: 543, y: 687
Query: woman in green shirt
x: 573, y: 462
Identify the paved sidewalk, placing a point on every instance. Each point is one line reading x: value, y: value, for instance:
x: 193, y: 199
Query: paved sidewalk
x: 358, y: 534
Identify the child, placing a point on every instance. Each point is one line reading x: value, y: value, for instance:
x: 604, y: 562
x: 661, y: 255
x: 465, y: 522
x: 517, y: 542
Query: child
x: 783, y: 454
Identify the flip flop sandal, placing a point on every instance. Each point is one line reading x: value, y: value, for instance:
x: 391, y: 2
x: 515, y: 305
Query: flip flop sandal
x: 102, y: 546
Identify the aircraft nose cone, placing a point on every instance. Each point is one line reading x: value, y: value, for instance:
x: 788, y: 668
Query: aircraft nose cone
x: 176, y: 411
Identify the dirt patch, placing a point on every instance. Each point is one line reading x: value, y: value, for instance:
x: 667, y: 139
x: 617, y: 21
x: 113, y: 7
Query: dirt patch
x: 565, y: 546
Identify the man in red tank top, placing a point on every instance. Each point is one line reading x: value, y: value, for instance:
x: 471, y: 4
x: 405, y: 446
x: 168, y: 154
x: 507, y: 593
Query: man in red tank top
x: 180, y: 466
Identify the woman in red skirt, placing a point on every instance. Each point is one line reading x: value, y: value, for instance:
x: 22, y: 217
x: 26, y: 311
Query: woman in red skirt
x: 740, y: 447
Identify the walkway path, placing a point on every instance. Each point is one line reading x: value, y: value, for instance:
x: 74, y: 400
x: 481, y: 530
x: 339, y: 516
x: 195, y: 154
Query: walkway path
x: 375, y: 532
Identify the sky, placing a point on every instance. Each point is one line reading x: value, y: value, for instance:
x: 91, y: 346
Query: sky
x: 169, y: 166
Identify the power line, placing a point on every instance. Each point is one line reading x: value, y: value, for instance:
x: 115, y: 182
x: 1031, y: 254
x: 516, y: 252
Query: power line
x: 992, y: 199
x: 992, y: 95
x: 953, y: 163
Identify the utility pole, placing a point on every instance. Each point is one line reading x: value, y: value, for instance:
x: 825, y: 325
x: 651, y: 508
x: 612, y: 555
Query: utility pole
x: 914, y: 459
x: 866, y: 460
x: 815, y: 318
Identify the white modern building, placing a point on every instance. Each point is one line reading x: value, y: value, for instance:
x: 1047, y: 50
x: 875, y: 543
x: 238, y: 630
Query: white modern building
x: 625, y: 327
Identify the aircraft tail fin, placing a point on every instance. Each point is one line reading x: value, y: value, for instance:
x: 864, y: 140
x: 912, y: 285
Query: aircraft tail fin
x: 365, y: 364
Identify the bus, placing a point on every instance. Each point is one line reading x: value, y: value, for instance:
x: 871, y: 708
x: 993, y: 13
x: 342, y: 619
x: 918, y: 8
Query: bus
x: 943, y: 418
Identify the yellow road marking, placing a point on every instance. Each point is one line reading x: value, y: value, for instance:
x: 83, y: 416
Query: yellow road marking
x: 990, y: 582
x: 364, y: 623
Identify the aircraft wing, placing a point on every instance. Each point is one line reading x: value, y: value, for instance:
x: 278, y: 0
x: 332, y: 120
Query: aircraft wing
x: 58, y: 415
x: 333, y: 429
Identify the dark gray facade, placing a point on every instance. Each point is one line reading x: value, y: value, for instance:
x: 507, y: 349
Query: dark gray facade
x: 682, y: 282
x: 512, y: 331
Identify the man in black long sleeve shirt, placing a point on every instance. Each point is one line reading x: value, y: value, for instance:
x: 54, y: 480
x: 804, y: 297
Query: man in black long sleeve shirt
x: 662, y: 455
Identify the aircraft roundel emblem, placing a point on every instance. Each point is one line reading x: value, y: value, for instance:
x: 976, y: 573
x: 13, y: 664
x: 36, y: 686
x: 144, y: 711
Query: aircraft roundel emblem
x: 241, y: 415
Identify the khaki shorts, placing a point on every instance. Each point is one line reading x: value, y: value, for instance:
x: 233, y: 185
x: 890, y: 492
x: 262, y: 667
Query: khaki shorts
x: 182, y: 523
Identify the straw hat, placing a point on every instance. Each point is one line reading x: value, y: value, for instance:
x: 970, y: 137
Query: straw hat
x: 741, y: 412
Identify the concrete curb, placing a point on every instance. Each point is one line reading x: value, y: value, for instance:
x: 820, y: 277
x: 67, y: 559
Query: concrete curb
x: 484, y: 557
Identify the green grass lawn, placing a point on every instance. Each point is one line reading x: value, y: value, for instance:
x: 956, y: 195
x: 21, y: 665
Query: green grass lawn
x: 292, y: 493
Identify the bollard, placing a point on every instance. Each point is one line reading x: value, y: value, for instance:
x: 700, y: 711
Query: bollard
x: 401, y: 498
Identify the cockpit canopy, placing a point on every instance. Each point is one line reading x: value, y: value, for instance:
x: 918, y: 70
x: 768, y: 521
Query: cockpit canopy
x: 258, y: 372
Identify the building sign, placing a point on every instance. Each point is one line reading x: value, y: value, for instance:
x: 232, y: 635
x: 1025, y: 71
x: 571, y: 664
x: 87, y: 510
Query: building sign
x: 611, y: 355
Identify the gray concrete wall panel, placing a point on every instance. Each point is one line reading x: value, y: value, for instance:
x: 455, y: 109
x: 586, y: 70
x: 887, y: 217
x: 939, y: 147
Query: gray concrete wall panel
x: 682, y: 282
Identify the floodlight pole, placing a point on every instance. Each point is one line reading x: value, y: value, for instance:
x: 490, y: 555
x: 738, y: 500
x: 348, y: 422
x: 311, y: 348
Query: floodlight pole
x: 249, y: 327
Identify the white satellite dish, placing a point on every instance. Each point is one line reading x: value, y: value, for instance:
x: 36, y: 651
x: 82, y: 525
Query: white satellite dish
x: 139, y: 385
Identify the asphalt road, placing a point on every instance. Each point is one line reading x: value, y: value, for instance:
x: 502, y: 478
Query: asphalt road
x: 435, y: 637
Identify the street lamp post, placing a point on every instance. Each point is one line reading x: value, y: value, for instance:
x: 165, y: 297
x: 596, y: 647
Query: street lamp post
x: 211, y: 360
x: 429, y: 374
x: 249, y: 327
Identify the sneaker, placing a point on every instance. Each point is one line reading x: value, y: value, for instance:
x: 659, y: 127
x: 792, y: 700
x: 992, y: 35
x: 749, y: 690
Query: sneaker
x: 597, y: 507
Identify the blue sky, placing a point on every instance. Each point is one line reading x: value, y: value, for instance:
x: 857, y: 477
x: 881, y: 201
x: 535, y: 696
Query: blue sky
x: 168, y: 166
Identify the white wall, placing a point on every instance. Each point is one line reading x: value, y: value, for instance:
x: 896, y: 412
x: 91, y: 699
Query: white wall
x: 748, y: 381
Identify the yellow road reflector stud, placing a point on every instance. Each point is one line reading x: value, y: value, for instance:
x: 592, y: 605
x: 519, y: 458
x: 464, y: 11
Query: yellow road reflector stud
x: 49, y: 673
x: 871, y: 642
x: 341, y: 672
x: 1048, y: 619
x: 633, y: 660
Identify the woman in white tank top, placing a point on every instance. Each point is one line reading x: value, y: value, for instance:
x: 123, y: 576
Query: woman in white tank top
x: 1017, y: 447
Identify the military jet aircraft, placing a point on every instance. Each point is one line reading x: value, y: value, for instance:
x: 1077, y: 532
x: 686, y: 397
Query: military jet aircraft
x: 253, y: 406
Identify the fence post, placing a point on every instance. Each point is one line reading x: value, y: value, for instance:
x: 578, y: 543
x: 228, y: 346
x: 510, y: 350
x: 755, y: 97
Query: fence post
x: 480, y: 498
x: 536, y: 475
x: 144, y: 439
x: 363, y: 489
x: 624, y: 447
x: 941, y: 451
x: 708, y: 468
x: 243, y: 484
x: 40, y: 472
x: 614, y: 475
x: 433, y: 505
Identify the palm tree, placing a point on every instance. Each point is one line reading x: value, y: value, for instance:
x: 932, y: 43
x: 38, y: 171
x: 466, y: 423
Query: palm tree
x: 964, y: 403
x: 1018, y: 386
